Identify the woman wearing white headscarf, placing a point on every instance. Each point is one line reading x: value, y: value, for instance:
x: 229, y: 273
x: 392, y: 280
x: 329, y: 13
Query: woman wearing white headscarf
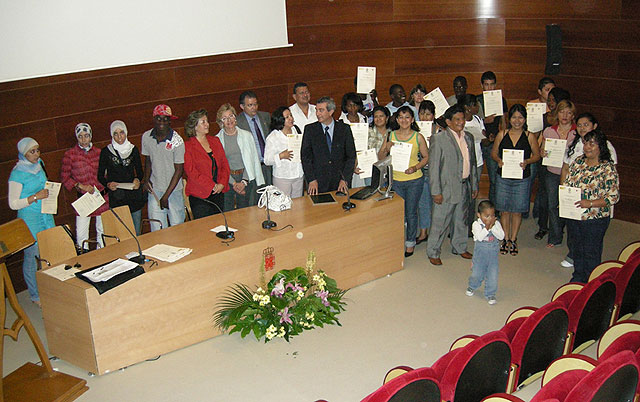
x: 79, y: 172
x: 26, y: 189
x: 120, y: 166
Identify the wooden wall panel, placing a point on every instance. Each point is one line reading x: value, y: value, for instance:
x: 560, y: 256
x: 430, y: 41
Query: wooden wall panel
x: 469, y: 58
x: 590, y: 33
x: 41, y: 131
x: 602, y: 91
x: 411, y: 9
x: 319, y: 12
x: 599, y: 63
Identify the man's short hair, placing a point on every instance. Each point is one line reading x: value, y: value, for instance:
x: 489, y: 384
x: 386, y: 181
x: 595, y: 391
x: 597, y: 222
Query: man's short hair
x: 457, y: 108
x: 393, y: 88
x: 299, y: 85
x: 460, y: 79
x: 488, y: 76
x: 485, y: 205
x: 560, y: 94
x: 247, y: 94
x: 544, y: 81
x: 331, y: 104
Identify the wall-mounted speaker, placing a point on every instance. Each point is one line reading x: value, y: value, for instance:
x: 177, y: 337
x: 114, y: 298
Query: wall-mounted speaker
x: 554, y: 50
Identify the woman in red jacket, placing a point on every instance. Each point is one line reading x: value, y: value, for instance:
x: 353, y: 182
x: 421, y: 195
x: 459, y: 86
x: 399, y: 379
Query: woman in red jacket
x: 205, y: 166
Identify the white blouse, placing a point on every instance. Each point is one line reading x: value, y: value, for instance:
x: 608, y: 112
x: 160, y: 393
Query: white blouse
x: 282, y: 168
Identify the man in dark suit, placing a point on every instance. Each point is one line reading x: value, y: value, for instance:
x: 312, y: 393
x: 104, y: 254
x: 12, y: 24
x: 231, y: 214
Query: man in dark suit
x: 328, y: 153
x: 453, y: 181
x: 257, y: 123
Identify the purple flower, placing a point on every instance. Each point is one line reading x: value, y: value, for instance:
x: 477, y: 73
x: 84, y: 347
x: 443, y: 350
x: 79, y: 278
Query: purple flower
x: 323, y: 296
x: 284, y: 316
x: 295, y: 287
x: 278, y: 289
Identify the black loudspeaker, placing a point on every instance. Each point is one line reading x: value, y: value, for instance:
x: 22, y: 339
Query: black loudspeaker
x: 554, y: 49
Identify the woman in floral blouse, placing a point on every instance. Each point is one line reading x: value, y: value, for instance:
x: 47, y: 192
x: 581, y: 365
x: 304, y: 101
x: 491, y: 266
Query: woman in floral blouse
x: 595, y: 174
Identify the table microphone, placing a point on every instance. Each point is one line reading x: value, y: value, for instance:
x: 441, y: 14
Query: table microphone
x: 140, y: 258
x: 347, y: 205
x: 226, y: 234
x: 268, y: 224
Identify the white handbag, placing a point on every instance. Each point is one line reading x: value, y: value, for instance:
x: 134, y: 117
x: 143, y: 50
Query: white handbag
x: 278, y: 201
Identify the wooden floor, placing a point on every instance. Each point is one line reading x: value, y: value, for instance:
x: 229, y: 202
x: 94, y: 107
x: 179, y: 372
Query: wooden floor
x: 409, y: 318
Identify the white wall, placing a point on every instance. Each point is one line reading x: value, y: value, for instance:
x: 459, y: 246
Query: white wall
x: 49, y: 37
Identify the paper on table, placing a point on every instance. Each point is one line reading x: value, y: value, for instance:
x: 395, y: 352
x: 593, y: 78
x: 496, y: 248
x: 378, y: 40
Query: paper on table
x: 400, y: 155
x: 49, y: 205
x: 221, y: 228
x: 567, y: 197
x: 110, y: 270
x: 360, y: 133
x: 167, y: 253
x: 125, y: 186
x: 294, y: 145
x: 492, y: 102
x: 512, y: 158
x: 88, y: 203
x: 555, y: 149
x: 439, y: 100
x: 534, y: 116
x: 366, y: 80
x: 60, y: 273
x: 366, y: 159
x: 426, y: 128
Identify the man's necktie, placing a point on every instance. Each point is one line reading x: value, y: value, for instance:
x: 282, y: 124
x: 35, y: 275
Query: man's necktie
x: 259, y: 134
x: 326, y: 132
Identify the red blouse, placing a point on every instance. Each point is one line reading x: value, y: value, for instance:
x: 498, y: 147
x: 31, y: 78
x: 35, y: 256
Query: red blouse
x: 197, y: 167
x: 79, y: 166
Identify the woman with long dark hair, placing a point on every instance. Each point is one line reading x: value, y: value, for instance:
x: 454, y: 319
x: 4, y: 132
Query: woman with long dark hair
x: 288, y: 175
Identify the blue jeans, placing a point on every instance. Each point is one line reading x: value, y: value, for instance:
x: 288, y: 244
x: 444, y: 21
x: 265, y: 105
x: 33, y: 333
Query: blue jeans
x: 175, y: 213
x: 485, y: 267
x: 137, y: 221
x: 556, y: 224
x: 410, y: 191
x: 29, y: 268
x: 424, y: 205
x: 587, y: 238
x: 492, y: 171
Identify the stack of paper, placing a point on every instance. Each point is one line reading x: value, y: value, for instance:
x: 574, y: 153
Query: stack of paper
x: 167, y: 253
x: 108, y: 271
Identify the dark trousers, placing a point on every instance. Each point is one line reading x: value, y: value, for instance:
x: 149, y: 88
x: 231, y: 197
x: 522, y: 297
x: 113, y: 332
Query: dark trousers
x: 541, y: 202
x: 556, y: 224
x: 587, y: 238
x: 201, y: 208
x: 492, y: 171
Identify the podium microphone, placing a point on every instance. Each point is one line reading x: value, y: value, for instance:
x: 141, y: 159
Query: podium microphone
x: 226, y: 234
x: 140, y: 258
x: 347, y: 205
x: 268, y: 224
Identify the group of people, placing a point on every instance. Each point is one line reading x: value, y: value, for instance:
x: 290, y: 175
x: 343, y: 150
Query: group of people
x: 223, y: 171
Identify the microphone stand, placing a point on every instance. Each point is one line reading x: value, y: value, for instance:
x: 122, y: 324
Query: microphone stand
x: 347, y: 205
x: 226, y: 234
x: 268, y: 224
x: 140, y: 259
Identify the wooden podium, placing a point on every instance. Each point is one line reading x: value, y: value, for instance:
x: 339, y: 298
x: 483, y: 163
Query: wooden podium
x: 30, y: 382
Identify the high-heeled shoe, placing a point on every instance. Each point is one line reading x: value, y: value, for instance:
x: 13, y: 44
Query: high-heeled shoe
x: 503, y: 248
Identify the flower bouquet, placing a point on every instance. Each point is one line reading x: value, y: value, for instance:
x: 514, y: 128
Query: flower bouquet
x: 293, y: 300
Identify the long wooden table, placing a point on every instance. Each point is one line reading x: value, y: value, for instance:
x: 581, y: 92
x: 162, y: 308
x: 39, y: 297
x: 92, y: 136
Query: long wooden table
x: 171, y: 305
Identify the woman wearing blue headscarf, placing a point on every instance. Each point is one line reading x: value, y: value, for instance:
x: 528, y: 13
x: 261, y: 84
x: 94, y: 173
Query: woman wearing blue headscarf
x: 26, y: 189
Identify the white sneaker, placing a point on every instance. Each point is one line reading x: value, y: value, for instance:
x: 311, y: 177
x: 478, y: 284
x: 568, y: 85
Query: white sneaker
x: 491, y: 300
x: 469, y: 292
x: 566, y: 264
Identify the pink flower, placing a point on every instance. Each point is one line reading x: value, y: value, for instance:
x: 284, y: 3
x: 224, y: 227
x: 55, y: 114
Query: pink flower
x: 285, y: 316
x: 295, y: 287
x: 278, y: 289
x: 323, y: 296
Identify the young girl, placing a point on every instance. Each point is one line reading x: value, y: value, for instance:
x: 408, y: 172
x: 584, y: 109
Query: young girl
x: 487, y: 234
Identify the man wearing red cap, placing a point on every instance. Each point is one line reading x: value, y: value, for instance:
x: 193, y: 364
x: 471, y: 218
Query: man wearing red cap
x: 163, y: 149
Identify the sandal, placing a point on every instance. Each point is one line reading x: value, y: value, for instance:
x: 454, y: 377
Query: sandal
x: 540, y: 235
x: 514, y: 247
x: 503, y: 248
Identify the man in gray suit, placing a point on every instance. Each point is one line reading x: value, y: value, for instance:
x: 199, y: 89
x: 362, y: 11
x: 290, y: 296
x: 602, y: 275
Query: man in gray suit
x: 257, y: 123
x: 452, y: 180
